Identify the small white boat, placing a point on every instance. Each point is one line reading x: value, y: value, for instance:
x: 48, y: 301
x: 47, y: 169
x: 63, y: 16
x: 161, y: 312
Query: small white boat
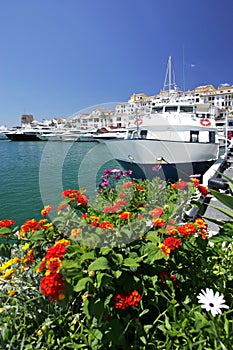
x: 110, y: 133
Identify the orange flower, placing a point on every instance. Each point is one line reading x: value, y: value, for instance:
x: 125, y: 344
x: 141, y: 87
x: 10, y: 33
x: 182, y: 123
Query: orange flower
x: 125, y: 215
x: 128, y: 184
x: 187, y: 229
x: 140, y: 188
x: 46, y: 210
x: 29, y: 226
x: 171, y: 229
x: 200, y: 223
x: 75, y: 232
x: 195, y: 181
x: 106, y: 224
x: 180, y: 185
x: 166, y: 250
x: 61, y: 207
x: 158, y: 222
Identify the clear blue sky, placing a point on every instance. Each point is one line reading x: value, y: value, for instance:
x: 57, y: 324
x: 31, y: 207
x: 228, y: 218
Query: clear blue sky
x: 60, y: 56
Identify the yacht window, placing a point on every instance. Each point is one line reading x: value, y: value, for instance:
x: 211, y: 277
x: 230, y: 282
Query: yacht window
x: 194, y: 136
x: 171, y: 109
x: 212, y: 136
x: 187, y: 109
x: 143, y: 134
x: 157, y: 109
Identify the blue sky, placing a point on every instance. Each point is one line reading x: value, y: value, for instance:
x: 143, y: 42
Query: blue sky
x: 60, y: 56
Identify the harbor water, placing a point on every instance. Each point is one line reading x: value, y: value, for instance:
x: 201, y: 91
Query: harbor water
x: 34, y: 174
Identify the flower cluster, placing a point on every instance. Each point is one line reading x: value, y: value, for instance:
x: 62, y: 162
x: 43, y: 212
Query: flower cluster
x: 75, y: 196
x: 111, y: 174
x: 6, y: 223
x: 32, y: 225
x: 52, y: 283
x: 202, y: 189
x: 6, y: 269
x: 46, y: 210
x: 122, y: 301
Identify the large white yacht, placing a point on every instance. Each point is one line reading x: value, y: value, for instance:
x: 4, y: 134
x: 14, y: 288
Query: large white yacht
x: 176, y: 139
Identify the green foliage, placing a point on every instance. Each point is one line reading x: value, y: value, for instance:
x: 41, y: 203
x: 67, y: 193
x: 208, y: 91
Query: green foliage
x: 132, y: 267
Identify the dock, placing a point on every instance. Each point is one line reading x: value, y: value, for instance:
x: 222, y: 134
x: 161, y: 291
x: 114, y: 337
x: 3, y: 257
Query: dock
x: 212, y: 179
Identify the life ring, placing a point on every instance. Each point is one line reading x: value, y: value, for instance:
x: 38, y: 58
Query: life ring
x: 205, y: 122
x: 138, y: 121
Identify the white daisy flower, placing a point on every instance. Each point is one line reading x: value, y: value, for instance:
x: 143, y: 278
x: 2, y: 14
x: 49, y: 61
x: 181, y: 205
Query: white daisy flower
x: 212, y: 302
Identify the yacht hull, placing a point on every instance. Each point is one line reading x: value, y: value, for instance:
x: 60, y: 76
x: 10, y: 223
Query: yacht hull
x: 23, y: 137
x: 169, y: 160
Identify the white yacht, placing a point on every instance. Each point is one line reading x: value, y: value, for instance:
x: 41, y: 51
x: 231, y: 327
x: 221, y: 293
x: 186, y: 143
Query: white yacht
x: 173, y: 142
x: 110, y: 133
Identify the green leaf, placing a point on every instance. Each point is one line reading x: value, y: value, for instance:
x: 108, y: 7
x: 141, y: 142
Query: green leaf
x: 70, y: 265
x: 224, y: 211
x: 230, y: 181
x: 105, y: 250
x: 130, y: 262
x: 99, y: 264
x: 5, y: 230
x: 81, y: 285
x: 37, y: 236
x: 225, y: 199
x: 221, y: 238
x: 215, y: 221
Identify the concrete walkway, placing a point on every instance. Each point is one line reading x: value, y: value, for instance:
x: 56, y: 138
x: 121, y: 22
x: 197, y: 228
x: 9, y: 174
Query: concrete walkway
x: 212, y: 212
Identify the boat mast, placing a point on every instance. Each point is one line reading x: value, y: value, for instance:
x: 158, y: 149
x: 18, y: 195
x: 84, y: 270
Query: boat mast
x: 169, y: 81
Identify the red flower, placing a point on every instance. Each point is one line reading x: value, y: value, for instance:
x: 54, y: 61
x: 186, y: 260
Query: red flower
x: 6, y: 223
x: 122, y: 301
x: 180, y: 185
x: 125, y: 215
x: 140, y: 188
x: 157, y: 212
x: 171, y: 242
x: 56, y: 251
x: 133, y: 298
x: 203, y: 190
x: 82, y: 199
x: 187, y: 229
x: 195, y: 181
x: 52, y: 285
x: 106, y: 224
x: 61, y: 207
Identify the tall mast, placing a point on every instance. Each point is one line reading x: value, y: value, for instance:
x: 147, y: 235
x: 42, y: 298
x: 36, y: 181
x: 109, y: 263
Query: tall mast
x: 169, y: 82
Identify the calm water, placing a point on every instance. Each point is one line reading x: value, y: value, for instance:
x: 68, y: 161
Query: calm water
x: 33, y: 174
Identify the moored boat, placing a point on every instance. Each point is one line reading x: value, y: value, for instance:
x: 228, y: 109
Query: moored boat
x: 174, y: 141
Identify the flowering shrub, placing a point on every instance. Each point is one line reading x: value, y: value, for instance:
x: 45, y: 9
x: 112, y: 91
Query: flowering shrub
x: 127, y: 270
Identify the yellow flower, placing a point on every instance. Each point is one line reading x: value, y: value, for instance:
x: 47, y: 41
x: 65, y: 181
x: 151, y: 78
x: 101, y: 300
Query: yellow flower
x: 62, y: 241
x: 8, y: 274
x: 25, y: 246
x: 12, y: 292
x: 75, y: 232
